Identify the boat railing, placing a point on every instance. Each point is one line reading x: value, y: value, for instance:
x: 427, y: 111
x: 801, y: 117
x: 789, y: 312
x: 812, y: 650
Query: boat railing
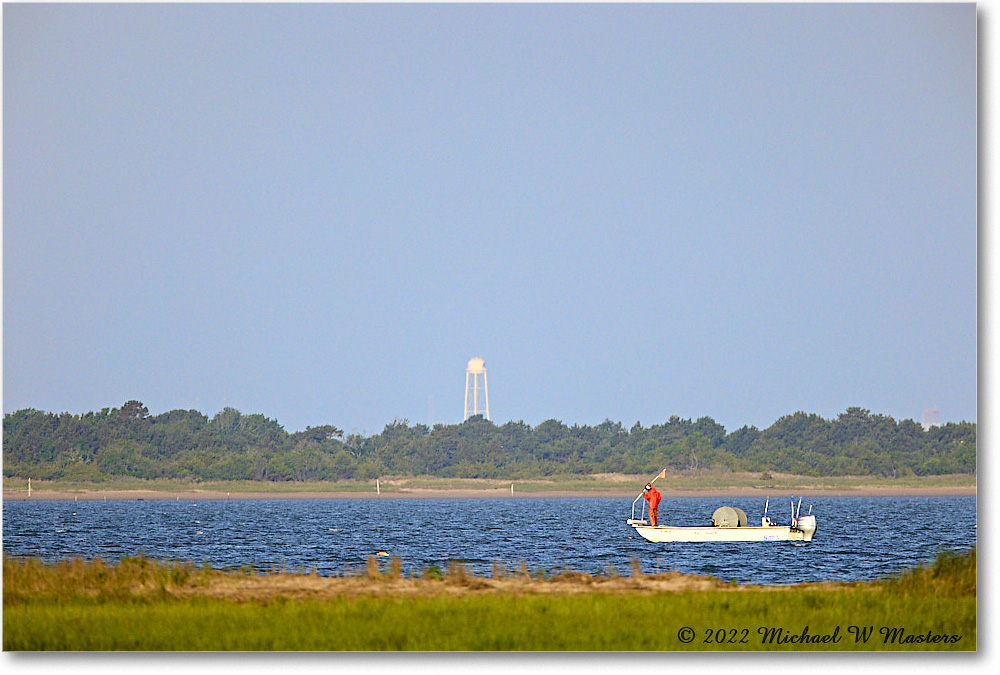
x: 642, y: 517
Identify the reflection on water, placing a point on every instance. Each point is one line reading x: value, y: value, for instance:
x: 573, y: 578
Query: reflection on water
x: 857, y: 537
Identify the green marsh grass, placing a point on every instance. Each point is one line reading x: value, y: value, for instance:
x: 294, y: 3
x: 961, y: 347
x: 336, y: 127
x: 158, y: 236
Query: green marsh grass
x: 141, y: 604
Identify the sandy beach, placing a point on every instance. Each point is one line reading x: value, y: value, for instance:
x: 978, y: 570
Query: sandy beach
x: 21, y: 494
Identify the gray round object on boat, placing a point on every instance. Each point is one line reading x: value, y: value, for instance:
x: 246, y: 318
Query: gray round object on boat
x: 726, y: 516
x: 742, y: 515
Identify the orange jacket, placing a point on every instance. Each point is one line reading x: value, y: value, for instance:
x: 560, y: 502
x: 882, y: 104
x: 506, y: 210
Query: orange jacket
x: 653, y: 497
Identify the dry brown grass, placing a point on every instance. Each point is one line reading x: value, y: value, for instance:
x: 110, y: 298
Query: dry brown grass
x: 456, y: 582
x: 143, y: 579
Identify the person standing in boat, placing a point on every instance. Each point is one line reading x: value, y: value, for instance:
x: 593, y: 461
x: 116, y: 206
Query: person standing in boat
x: 651, y: 495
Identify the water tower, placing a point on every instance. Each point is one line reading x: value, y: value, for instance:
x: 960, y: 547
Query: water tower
x: 476, y: 368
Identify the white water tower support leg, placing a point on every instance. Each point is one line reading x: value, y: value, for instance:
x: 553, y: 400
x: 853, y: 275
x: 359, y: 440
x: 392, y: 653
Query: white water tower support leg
x: 465, y: 407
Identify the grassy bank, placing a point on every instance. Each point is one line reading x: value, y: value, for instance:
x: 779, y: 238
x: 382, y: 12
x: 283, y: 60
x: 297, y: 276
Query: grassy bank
x: 138, y: 604
x: 577, y: 485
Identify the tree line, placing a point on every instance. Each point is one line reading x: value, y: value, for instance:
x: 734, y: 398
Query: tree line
x: 186, y: 444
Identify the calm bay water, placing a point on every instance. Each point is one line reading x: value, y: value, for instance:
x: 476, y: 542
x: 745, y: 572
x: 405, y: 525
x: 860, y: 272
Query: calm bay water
x: 857, y: 538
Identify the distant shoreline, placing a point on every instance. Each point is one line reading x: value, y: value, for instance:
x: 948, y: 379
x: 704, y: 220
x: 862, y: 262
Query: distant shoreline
x: 21, y: 494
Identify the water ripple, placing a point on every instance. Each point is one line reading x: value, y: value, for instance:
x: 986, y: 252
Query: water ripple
x: 858, y: 538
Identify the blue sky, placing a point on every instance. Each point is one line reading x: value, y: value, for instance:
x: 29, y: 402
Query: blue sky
x: 322, y: 212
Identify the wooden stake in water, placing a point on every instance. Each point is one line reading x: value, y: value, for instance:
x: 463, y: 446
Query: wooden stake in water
x: 378, y: 490
x: 511, y: 489
x: 29, y: 488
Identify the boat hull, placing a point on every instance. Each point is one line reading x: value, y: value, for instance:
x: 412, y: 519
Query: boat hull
x: 666, y: 533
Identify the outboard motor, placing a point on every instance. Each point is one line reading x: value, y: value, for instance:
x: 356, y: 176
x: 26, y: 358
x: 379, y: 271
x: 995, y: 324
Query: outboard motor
x: 808, y: 526
x: 805, y: 524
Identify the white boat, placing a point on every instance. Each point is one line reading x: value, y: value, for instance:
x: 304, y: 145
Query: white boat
x: 730, y: 524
